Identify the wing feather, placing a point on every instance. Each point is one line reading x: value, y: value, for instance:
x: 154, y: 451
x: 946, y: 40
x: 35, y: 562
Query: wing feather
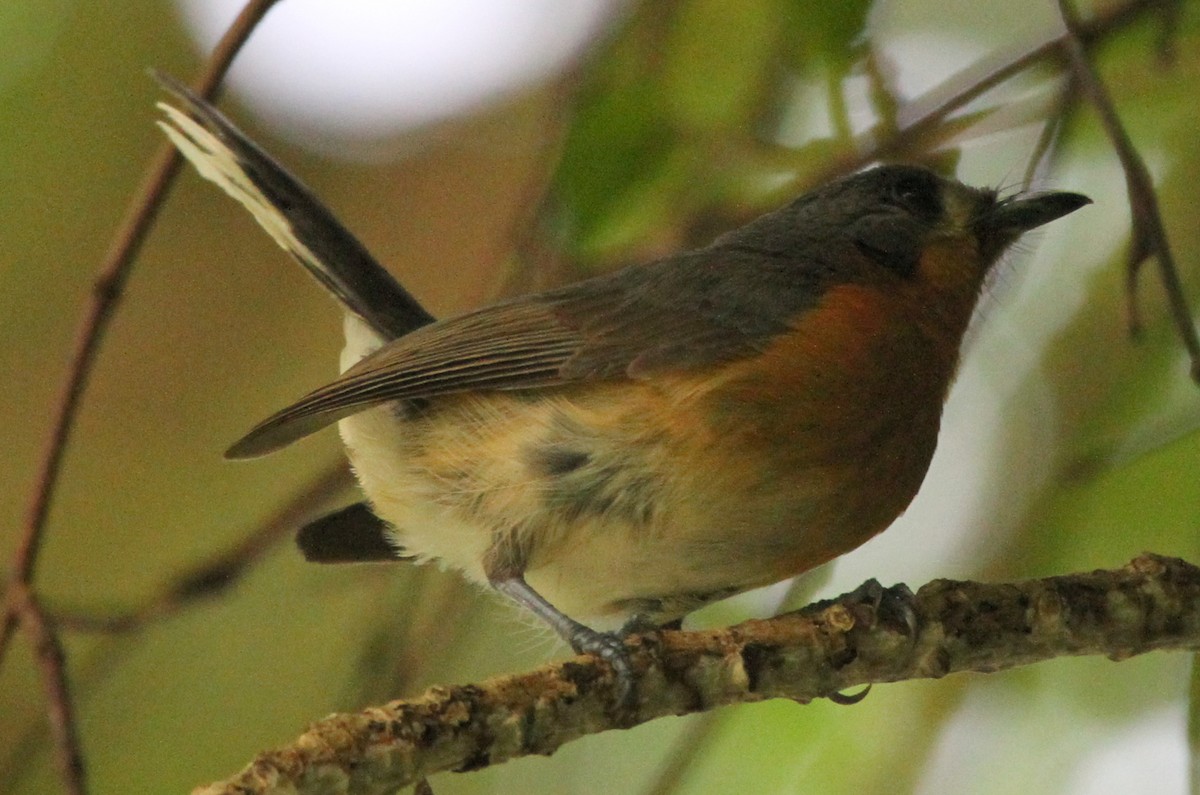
x: 689, y: 311
x: 517, y: 345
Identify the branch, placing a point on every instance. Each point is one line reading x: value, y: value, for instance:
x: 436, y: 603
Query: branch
x: 109, y: 287
x: 21, y: 605
x: 1149, y: 233
x: 871, y: 635
x: 928, y: 121
x: 212, y: 576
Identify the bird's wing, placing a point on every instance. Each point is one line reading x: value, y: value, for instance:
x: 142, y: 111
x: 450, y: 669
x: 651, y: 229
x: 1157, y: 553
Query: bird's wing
x: 505, y: 347
x: 682, y: 313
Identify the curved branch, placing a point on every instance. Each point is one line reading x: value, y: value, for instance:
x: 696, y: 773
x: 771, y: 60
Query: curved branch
x: 22, y: 609
x: 871, y: 635
x: 1149, y: 235
x: 110, y: 285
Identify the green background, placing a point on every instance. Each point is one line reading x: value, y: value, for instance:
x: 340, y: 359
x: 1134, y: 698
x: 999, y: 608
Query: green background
x: 1066, y: 446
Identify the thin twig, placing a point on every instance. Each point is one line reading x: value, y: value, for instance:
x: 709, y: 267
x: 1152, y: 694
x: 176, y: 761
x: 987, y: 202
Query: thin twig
x: 108, y: 290
x: 1168, y: 32
x: 222, y: 571
x: 1149, y: 235
x: 977, y: 80
x: 61, y: 710
x: 22, y: 608
x: 919, y: 123
x: 11, y: 619
x: 1048, y: 139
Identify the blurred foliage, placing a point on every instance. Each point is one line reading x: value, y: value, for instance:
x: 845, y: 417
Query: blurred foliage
x: 1066, y: 445
x: 668, y: 120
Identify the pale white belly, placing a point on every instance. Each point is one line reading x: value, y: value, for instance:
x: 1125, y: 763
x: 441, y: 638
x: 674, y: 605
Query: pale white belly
x: 451, y: 491
x: 424, y: 481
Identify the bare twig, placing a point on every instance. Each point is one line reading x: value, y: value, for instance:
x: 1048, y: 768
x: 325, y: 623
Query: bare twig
x: 1048, y: 139
x: 974, y: 82
x: 109, y: 287
x: 60, y: 708
x: 1168, y: 32
x: 920, y: 124
x: 22, y: 609
x: 871, y: 635
x: 1149, y: 235
x: 214, y: 576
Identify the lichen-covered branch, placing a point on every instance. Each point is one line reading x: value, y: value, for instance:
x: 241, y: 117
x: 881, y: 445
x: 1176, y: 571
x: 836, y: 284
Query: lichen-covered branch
x: 869, y: 636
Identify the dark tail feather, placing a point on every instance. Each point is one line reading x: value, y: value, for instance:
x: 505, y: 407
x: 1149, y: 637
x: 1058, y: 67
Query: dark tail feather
x: 290, y: 213
x: 350, y: 535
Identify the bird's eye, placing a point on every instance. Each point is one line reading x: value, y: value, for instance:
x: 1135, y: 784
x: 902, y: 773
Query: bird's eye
x: 918, y: 193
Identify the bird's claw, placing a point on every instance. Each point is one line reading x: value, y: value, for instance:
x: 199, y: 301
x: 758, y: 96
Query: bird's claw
x: 609, y: 647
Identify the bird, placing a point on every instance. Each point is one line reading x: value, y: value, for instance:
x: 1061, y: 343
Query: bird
x: 619, y: 452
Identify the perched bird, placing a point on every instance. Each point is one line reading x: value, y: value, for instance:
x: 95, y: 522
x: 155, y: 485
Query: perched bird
x: 629, y: 448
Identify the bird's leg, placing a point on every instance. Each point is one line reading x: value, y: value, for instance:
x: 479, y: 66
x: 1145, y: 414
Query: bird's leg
x: 608, y: 646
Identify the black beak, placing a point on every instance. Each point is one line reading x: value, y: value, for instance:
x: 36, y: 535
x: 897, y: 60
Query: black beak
x: 1022, y: 214
x: 1007, y: 220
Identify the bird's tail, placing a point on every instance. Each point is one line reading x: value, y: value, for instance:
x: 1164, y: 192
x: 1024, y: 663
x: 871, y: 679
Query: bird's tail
x: 290, y: 212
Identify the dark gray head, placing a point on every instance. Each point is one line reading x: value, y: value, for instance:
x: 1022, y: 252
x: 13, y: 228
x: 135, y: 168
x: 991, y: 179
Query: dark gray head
x: 892, y: 213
